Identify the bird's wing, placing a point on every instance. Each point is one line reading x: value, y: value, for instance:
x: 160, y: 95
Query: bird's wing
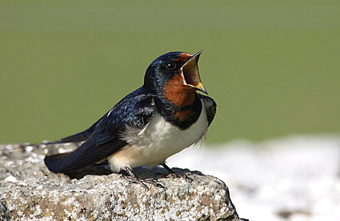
x: 135, y: 110
x: 210, y: 106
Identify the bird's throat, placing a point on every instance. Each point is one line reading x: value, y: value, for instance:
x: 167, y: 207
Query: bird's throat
x: 179, y: 94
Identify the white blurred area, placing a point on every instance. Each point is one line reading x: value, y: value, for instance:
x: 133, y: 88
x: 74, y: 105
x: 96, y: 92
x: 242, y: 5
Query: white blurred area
x: 295, y: 178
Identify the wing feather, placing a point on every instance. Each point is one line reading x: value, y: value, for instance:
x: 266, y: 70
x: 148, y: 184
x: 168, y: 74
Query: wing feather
x: 135, y: 110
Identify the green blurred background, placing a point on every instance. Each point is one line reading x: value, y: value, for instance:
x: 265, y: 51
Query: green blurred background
x: 272, y: 66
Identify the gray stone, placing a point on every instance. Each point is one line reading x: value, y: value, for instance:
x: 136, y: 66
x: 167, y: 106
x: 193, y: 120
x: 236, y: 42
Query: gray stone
x: 28, y: 190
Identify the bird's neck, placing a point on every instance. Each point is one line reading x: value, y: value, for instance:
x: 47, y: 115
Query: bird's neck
x: 180, y: 96
x: 181, y: 107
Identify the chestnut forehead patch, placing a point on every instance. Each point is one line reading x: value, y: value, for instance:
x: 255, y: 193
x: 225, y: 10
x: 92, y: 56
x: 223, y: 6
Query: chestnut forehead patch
x: 183, y: 56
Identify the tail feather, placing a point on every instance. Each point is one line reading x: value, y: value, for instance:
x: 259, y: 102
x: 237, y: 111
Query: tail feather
x: 86, y: 155
x: 55, y: 162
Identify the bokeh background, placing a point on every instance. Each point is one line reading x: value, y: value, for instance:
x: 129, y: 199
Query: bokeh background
x: 272, y: 66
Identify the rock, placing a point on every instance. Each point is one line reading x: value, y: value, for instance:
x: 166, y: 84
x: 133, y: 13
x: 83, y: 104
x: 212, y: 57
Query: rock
x: 28, y: 190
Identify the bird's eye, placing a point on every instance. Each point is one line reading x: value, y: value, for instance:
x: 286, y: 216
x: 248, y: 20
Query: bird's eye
x: 170, y: 65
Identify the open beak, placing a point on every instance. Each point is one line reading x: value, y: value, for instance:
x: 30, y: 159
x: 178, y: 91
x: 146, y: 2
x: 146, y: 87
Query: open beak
x: 190, y: 73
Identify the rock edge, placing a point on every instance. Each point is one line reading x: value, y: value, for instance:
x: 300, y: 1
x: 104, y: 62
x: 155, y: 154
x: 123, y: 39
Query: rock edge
x: 29, y: 191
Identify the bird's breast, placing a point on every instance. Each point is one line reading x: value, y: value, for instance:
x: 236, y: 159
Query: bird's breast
x: 157, y: 141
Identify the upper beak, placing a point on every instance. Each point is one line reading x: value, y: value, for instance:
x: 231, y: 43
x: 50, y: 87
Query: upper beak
x: 190, y: 73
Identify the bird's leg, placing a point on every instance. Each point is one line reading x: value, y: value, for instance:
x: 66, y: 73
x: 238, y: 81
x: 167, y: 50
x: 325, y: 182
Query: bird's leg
x: 135, y: 179
x: 172, y: 173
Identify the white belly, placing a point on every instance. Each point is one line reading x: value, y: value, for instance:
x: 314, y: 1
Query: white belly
x: 155, y: 143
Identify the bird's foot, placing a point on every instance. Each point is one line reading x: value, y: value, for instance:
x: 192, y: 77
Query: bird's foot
x: 172, y: 174
x: 133, y: 178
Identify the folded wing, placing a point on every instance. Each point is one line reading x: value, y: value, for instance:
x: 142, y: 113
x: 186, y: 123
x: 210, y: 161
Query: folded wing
x: 104, y: 137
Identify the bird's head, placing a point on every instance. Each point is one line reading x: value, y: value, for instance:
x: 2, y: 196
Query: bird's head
x: 174, y: 72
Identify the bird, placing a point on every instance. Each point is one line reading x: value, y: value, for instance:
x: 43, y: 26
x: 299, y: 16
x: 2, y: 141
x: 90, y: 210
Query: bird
x: 167, y: 114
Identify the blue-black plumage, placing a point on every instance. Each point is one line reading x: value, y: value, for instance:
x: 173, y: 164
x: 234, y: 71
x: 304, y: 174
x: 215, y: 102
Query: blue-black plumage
x: 157, y: 120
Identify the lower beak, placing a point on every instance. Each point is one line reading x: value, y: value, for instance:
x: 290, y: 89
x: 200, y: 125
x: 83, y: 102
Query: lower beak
x: 191, y: 74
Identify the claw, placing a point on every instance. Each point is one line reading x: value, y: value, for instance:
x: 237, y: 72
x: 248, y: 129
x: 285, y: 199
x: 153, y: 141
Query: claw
x: 133, y: 178
x: 136, y: 180
x: 172, y: 173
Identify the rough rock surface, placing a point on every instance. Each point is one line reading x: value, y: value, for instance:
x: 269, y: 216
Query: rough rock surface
x: 29, y: 191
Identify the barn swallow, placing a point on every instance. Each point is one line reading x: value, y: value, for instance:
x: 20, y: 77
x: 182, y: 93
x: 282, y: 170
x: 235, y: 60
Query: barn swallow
x: 159, y: 119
